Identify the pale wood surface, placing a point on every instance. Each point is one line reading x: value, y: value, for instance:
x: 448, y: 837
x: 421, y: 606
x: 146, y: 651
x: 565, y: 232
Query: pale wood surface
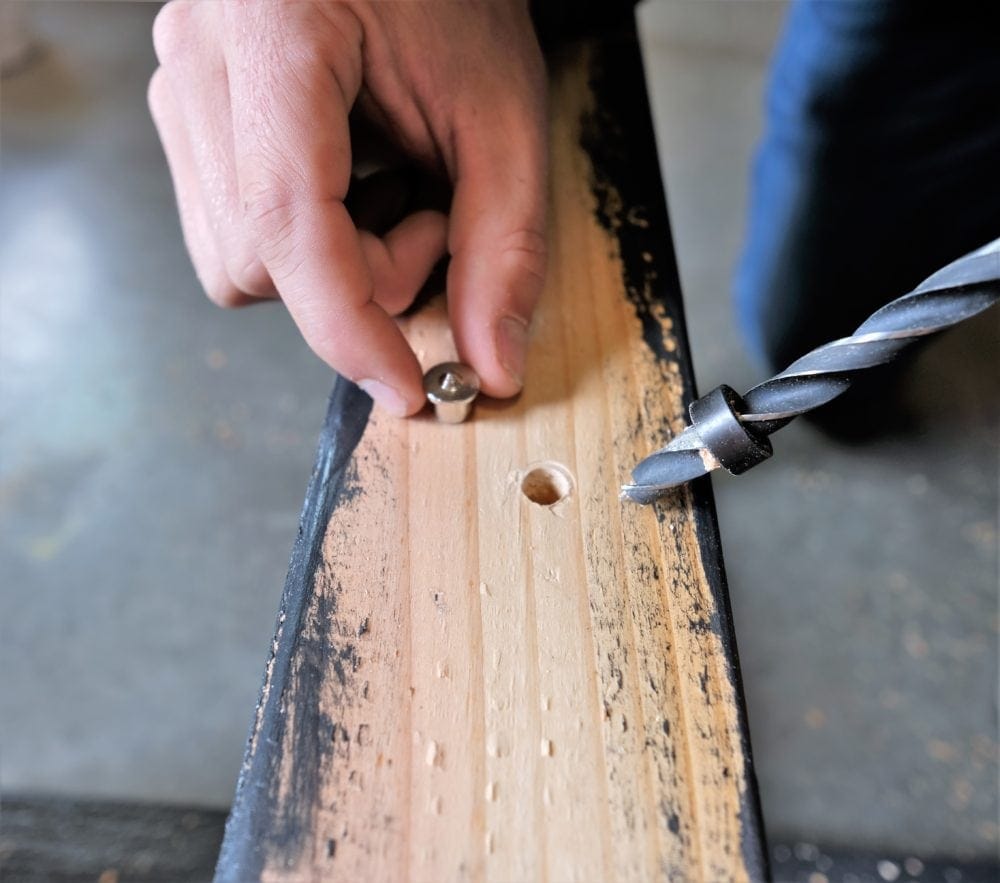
x: 506, y: 691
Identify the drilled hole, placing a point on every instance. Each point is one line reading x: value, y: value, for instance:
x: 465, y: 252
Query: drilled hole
x: 546, y: 484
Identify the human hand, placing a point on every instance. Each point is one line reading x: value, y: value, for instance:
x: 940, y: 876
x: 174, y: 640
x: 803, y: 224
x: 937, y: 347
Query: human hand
x: 251, y: 101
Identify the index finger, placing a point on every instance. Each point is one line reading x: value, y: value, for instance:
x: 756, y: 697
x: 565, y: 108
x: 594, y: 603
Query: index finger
x: 293, y: 164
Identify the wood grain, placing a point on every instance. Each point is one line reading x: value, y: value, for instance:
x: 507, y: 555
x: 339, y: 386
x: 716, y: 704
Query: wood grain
x: 475, y: 686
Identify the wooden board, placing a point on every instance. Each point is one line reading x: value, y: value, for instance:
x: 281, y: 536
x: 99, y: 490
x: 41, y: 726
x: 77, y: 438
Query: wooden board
x: 466, y: 684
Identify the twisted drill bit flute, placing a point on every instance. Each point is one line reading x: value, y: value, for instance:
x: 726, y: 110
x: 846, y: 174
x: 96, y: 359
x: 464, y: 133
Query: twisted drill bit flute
x: 732, y: 432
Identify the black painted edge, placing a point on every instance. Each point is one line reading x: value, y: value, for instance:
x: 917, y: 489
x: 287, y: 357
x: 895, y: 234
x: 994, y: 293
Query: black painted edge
x: 249, y: 827
x: 621, y: 142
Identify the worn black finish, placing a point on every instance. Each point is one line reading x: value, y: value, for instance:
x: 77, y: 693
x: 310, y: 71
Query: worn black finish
x: 953, y: 294
x: 618, y: 136
x: 255, y: 828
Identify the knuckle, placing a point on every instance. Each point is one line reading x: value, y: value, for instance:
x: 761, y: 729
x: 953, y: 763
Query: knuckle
x: 248, y: 274
x: 525, y: 240
x: 269, y: 214
x: 172, y: 31
x: 268, y: 206
x: 223, y: 293
x: 528, y: 248
x: 267, y: 202
x: 217, y: 285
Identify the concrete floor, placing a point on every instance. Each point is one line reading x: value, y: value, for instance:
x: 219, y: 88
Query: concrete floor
x: 155, y: 451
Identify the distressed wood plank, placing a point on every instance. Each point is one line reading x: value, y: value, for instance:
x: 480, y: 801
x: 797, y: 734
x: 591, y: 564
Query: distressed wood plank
x: 468, y: 685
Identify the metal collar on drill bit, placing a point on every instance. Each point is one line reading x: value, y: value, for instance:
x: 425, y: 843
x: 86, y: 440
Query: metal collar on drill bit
x: 716, y: 419
x: 732, y: 432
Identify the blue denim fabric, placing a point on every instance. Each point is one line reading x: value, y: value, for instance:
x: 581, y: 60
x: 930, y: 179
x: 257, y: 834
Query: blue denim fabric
x: 880, y: 162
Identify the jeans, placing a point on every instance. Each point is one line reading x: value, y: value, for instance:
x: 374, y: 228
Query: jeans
x: 880, y: 162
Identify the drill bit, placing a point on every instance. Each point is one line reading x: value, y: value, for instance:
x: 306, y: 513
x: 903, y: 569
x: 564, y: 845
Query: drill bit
x: 729, y: 431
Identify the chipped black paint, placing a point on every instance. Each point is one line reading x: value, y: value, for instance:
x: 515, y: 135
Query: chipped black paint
x: 261, y: 828
x: 617, y: 134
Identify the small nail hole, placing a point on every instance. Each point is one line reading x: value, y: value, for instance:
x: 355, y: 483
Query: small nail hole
x: 546, y: 484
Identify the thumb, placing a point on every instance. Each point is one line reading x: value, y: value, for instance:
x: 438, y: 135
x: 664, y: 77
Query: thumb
x: 497, y: 236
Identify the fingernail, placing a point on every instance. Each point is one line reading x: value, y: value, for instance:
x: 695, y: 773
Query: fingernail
x: 385, y: 397
x: 512, y: 344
